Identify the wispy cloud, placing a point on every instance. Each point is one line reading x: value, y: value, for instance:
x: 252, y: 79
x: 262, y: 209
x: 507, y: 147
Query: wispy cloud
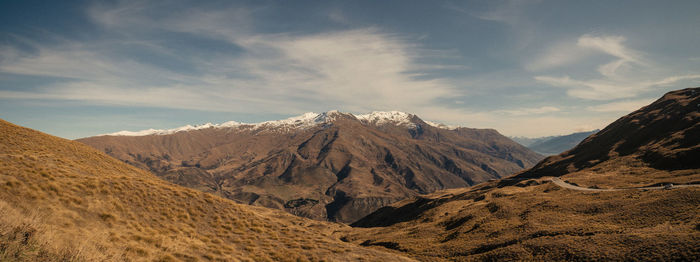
x: 497, y: 64
x: 361, y: 69
x: 621, y: 106
x: 511, y: 13
x: 530, y: 111
x: 560, y: 54
x: 673, y: 79
x: 611, y: 45
x: 614, y: 82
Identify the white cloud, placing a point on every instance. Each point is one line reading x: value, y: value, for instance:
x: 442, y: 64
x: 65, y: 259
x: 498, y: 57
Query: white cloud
x: 614, y: 82
x: 560, y: 54
x: 607, y: 89
x: 360, y: 70
x: 621, y: 106
x: 530, y: 111
x: 673, y: 79
x: 612, y: 45
x: 356, y: 70
x: 597, y: 89
x: 569, y: 52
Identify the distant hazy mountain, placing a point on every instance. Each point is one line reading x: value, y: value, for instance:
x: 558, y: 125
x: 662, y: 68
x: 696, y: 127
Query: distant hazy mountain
x: 333, y: 165
x: 527, y: 141
x: 558, y: 144
x: 553, y: 145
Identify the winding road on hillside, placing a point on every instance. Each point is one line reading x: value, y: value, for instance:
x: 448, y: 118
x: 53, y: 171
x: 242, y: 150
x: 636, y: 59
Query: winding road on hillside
x: 561, y: 183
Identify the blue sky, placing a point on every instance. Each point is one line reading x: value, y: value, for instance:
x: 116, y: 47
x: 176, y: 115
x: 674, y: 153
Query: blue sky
x: 526, y: 68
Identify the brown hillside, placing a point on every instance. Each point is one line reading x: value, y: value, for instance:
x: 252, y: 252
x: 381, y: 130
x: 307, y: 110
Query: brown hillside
x: 340, y: 169
x: 663, y: 135
x: 537, y: 220
x: 64, y: 201
x: 530, y: 218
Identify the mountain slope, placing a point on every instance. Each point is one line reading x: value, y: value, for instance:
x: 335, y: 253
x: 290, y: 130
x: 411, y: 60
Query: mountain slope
x: 528, y: 217
x: 64, y: 201
x: 538, y: 220
x: 558, y: 144
x: 332, y: 165
x: 664, y: 135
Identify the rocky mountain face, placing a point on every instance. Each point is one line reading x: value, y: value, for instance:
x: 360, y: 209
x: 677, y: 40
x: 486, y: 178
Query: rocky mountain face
x: 663, y: 135
x: 333, y: 166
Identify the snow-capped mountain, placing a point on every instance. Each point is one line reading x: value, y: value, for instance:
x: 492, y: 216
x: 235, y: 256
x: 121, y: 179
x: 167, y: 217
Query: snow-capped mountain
x: 332, y: 165
x: 304, y: 121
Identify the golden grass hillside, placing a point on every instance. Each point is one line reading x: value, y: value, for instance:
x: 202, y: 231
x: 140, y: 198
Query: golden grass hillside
x: 537, y: 220
x: 527, y: 217
x: 64, y: 201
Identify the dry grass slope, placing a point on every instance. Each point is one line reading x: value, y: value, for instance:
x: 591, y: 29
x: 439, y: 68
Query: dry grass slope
x: 62, y: 200
x: 537, y: 220
x: 529, y: 218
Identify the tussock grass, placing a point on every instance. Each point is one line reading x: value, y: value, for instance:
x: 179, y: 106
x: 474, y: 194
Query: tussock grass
x: 541, y: 221
x: 629, y: 171
x: 64, y: 201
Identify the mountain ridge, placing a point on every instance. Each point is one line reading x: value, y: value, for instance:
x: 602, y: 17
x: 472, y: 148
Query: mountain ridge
x: 324, y: 166
x: 664, y: 135
x: 593, y: 202
x: 304, y: 120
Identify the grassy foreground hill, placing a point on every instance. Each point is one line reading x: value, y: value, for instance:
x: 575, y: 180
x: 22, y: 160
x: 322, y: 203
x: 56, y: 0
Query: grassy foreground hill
x: 64, y: 201
x: 528, y: 217
x: 538, y: 220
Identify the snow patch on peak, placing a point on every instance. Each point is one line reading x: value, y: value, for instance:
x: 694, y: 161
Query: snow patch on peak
x: 441, y: 125
x: 387, y: 117
x: 152, y: 131
x: 303, y: 121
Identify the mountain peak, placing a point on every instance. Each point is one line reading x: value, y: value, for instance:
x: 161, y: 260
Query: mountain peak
x: 303, y: 121
x: 441, y: 125
x: 387, y: 117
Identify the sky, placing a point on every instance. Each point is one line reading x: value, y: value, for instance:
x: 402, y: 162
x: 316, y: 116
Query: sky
x: 525, y: 68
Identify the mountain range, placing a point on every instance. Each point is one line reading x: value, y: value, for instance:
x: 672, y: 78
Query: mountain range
x: 553, y: 145
x: 599, y: 201
x: 328, y: 166
x: 628, y: 192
